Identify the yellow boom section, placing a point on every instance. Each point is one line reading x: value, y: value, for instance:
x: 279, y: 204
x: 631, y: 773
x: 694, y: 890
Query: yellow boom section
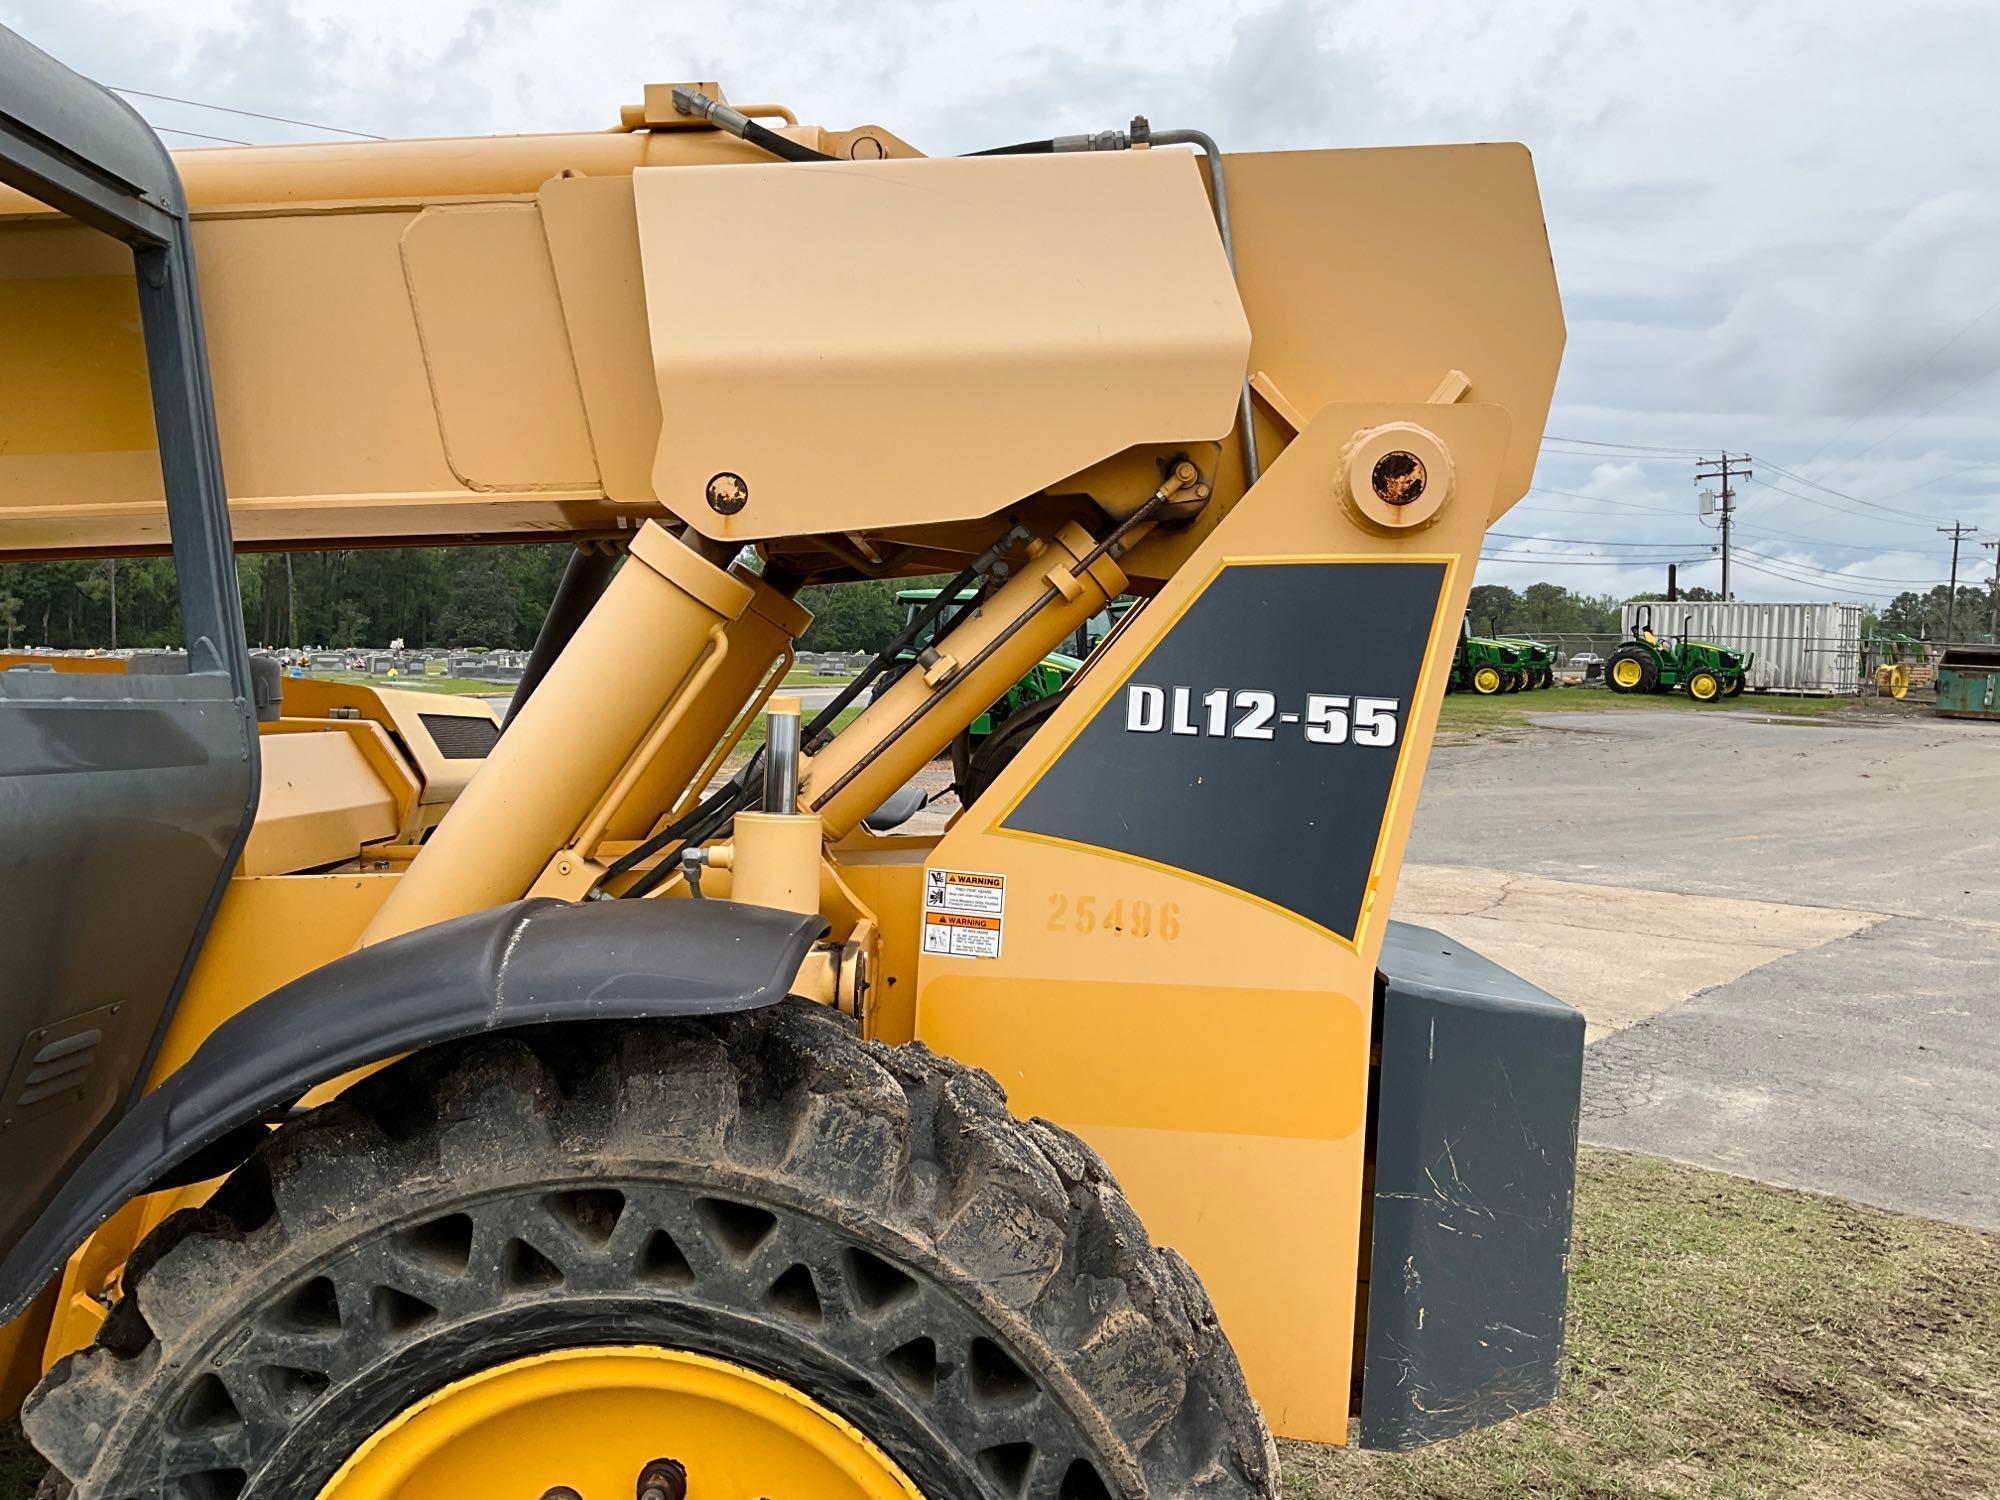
x: 557, y: 335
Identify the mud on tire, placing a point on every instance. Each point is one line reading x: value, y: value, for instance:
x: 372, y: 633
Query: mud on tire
x: 868, y: 1223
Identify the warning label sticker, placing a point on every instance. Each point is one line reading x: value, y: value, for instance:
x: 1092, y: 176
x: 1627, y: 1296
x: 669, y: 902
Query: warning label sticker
x: 964, y: 913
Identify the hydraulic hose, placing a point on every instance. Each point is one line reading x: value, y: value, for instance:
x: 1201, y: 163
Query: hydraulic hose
x: 694, y: 102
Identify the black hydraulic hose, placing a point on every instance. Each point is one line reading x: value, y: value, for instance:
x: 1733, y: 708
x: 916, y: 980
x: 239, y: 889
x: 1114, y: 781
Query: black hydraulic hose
x: 684, y: 825
x: 946, y: 597
x: 694, y: 102
x: 780, y: 145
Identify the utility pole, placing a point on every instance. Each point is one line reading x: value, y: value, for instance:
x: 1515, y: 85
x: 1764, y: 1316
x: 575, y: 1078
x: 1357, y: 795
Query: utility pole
x: 1725, y: 468
x: 1958, y: 531
x: 1993, y: 621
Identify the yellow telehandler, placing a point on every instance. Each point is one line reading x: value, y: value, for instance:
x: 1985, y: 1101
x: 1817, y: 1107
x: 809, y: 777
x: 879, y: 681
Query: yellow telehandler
x: 404, y: 1100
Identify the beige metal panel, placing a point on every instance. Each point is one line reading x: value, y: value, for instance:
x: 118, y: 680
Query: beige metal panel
x: 318, y: 803
x: 1369, y: 275
x: 495, y: 348
x: 593, y: 239
x: 883, y: 343
x: 410, y: 172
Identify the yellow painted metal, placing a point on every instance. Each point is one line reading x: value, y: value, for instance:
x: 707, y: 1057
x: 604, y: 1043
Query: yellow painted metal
x: 619, y: 674
x: 1075, y: 345
x: 970, y: 693
x: 1486, y: 681
x: 590, y: 1420
x: 1220, y: 1061
x: 1705, y: 687
x: 775, y: 860
x: 319, y: 802
x: 267, y: 932
x: 758, y: 638
x: 21, y: 1345
x: 1627, y: 672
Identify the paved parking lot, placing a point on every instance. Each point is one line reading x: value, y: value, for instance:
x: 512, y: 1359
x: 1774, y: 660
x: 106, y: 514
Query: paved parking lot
x: 1785, y: 933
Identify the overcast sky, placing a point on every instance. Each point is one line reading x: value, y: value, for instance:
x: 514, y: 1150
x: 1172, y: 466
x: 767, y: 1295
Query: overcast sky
x: 1776, y: 225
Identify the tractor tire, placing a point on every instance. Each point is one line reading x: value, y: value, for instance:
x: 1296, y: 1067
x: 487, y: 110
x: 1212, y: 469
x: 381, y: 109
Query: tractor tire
x: 1547, y: 679
x: 862, y: 1230
x: 1524, y: 679
x: 1486, y: 681
x: 976, y: 763
x: 1703, y: 685
x: 1732, y: 687
x: 1631, y: 669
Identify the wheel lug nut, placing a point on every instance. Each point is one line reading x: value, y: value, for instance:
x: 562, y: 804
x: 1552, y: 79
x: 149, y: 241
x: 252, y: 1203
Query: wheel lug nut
x: 663, y: 1479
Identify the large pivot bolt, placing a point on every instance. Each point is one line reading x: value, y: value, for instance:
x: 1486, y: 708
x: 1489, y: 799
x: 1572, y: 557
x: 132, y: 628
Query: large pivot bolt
x: 1395, y: 477
x: 663, y: 1479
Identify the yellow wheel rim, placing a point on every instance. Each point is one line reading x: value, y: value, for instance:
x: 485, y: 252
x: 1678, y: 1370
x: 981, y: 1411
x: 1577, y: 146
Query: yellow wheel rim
x: 1704, y: 685
x: 589, y: 1421
x: 1487, y: 680
x: 1626, y: 673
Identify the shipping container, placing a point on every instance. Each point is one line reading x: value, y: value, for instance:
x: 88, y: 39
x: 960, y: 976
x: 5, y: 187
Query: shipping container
x: 1799, y: 648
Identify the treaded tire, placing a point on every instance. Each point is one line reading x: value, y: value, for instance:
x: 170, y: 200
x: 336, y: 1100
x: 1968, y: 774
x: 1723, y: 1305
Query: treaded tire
x: 866, y: 1222
x: 1649, y: 670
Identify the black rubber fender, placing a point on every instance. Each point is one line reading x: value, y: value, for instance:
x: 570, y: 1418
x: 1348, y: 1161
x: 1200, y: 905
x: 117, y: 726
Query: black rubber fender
x: 529, y: 963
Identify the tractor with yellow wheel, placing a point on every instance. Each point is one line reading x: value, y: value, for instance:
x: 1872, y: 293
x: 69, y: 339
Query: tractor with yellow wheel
x: 1650, y: 663
x: 624, y: 1096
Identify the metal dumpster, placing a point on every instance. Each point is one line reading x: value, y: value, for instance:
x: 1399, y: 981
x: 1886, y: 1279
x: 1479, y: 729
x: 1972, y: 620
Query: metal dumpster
x: 1968, y: 682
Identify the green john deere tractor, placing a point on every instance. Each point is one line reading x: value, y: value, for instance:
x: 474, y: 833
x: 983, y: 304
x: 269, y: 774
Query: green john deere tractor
x: 989, y: 741
x: 1537, y: 656
x: 1649, y: 663
x: 1486, y: 665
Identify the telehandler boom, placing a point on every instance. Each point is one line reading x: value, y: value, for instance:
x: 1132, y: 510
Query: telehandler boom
x: 404, y: 1102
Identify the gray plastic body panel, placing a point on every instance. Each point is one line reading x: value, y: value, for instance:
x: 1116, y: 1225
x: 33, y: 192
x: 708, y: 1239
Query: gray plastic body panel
x: 1475, y: 1122
x: 530, y: 963
x: 125, y: 799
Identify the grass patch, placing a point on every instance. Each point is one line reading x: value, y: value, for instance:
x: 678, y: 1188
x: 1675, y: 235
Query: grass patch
x: 1727, y: 1341
x: 467, y: 685
x: 1730, y: 1341
x: 1470, y: 712
x: 753, y: 737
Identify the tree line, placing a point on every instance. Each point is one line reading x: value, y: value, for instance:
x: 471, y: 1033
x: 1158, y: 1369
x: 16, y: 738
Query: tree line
x: 496, y: 596
x: 365, y: 597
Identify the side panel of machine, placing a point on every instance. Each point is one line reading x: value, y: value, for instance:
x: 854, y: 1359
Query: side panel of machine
x: 1195, y: 1003
x: 1475, y: 1126
x: 121, y: 798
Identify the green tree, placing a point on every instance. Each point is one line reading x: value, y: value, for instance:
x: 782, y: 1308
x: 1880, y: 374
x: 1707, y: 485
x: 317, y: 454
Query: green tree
x: 482, y: 607
x: 859, y: 616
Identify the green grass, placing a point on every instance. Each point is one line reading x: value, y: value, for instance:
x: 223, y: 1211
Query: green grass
x: 1727, y: 1341
x: 1469, y: 711
x: 814, y: 679
x: 466, y: 685
x: 1730, y: 1341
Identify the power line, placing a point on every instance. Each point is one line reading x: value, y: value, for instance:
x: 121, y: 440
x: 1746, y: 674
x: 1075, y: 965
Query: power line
x: 1591, y: 541
x: 1898, y: 388
x: 227, y: 140
x: 1551, y: 437
x: 1813, y: 583
x: 1806, y: 567
x: 1956, y: 391
x: 1663, y: 510
x: 248, y: 114
x: 1843, y: 495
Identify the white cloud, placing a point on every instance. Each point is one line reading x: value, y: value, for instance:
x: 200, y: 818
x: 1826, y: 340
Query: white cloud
x: 1767, y: 217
